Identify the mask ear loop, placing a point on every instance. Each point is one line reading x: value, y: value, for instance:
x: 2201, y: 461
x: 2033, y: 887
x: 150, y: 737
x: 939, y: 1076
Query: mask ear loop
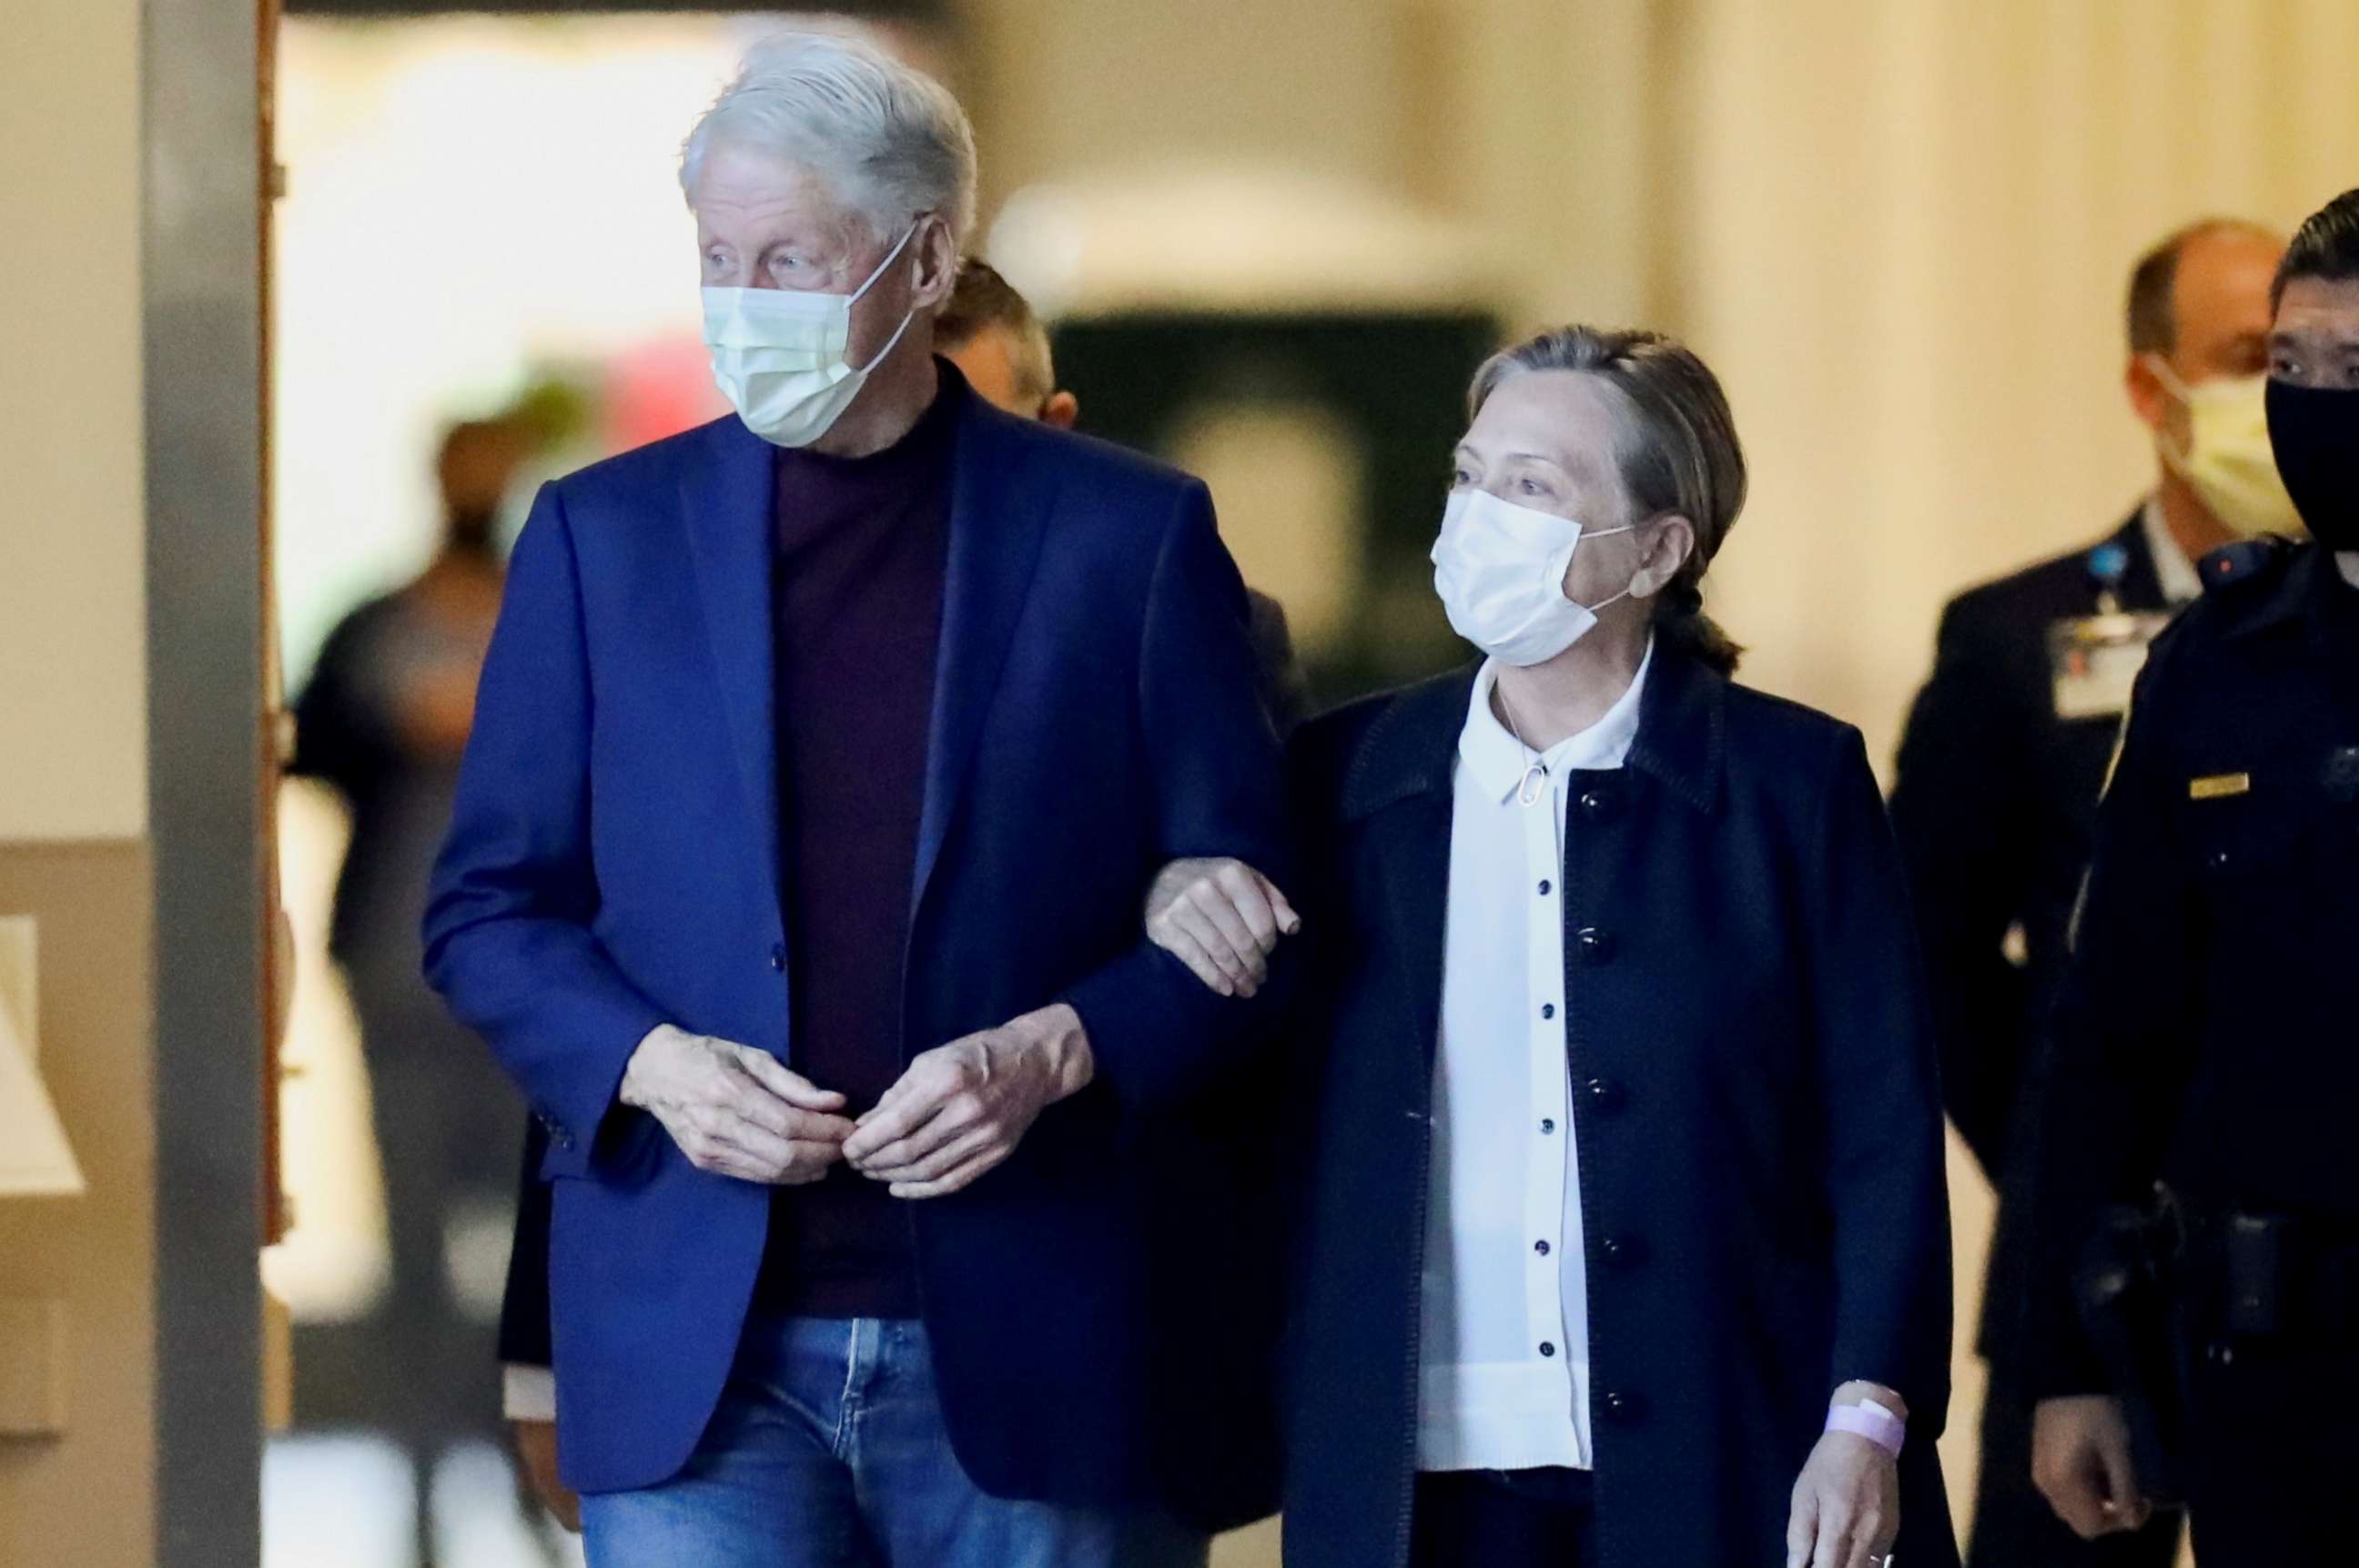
x: 894, y: 254
x: 1586, y: 535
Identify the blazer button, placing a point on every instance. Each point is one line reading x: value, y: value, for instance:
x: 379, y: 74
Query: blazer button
x: 560, y: 1136
x: 1599, y: 805
x: 1623, y: 1252
x: 778, y: 957
x: 1596, y: 946
x: 1606, y: 1096
x: 1625, y: 1410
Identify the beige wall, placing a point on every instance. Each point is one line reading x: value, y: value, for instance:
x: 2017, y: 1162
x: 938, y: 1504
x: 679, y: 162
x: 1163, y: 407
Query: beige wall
x: 73, y: 720
x: 73, y: 754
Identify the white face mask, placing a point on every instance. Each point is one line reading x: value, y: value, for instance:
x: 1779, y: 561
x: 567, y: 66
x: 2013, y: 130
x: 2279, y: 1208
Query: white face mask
x: 2228, y: 460
x: 1500, y: 569
x: 777, y: 354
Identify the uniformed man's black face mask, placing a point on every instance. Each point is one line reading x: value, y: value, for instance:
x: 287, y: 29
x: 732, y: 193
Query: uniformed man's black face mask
x: 2315, y: 432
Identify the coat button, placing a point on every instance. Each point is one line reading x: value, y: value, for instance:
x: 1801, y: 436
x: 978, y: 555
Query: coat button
x: 778, y: 957
x: 1623, y: 1251
x: 1595, y: 945
x: 1599, y: 805
x: 1623, y: 1409
x: 1606, y: 1096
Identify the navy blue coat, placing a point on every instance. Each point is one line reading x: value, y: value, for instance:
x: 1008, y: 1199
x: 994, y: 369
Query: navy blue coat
x: 613, y: 864
x: 1995, y: 802
x: 1755, y: 1103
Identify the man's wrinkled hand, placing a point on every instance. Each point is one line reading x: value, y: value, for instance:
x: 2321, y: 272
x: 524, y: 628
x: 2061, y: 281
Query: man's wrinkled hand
x: 1222, y: 918
x: 735, y: 1110
x: 2081, y: 1463
x: 963, y: 1107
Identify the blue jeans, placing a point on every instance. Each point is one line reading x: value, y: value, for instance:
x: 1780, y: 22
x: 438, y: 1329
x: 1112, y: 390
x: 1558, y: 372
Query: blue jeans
x: 828, y: 1452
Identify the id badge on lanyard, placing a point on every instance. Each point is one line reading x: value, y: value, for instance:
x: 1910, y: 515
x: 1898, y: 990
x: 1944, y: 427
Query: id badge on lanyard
x: 2094, y: 660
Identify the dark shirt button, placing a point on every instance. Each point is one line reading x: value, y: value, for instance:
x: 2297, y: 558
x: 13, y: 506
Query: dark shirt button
x: 1541, y: 1247
x: 1605, y: 1095
x: 1547, y: 1349
x: 1548, y: 1124
x: 1547, y: 1010
x: 1595, y: 946
x: 1598, y: 804
x: 779, y: 956
x: 1544, y: 888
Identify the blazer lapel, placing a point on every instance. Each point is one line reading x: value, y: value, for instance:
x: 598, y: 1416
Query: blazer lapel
x: 1401, y: 785
x: 728, y: 499
x: 999, y: 512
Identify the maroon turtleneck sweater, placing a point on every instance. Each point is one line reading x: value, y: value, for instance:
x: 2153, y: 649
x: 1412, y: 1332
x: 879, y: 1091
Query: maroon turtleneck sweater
x: 862, y: 551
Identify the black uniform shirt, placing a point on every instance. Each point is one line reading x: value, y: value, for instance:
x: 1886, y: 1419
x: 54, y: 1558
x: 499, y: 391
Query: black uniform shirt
x: 2207, y: 1034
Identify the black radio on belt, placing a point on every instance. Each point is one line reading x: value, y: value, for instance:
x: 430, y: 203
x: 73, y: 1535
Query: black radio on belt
x: 2342, y: 775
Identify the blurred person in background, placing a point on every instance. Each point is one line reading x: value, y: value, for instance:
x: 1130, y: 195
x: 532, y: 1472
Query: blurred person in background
x: 1625, y: 1237
x: 826, y: 753
x: 2202, y: 1041
x: 384, y: 720
x: 989, y: 332
x: 2004, y: 758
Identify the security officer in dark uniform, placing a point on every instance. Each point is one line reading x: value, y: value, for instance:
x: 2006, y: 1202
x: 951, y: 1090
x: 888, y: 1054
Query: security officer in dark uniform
x: 2001, y: 766
x: 2206, y: 1045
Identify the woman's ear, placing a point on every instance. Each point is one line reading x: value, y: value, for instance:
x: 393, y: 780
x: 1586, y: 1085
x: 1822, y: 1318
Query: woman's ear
x: 1665, y: 546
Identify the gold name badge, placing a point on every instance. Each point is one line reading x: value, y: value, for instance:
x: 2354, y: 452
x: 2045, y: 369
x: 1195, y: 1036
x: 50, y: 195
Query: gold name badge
x: 2219, y: 785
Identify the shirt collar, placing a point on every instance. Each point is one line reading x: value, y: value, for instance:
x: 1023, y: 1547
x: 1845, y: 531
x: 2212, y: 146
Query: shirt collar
x: 2181, y: 582
x: 1498, y: 761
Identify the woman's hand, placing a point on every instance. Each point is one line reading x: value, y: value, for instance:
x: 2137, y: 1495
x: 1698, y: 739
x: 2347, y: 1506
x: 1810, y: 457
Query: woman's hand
x: 1846, y: 1506
x: 1222, y: 918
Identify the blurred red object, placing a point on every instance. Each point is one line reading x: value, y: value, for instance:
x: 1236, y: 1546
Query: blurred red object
x: 657, y: 390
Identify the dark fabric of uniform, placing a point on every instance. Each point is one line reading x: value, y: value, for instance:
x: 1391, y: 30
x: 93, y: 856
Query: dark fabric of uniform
x: 1754, y: 1098
x: 1514, y: 1518
x: 2203, y: 1034
x: 1993, y: 802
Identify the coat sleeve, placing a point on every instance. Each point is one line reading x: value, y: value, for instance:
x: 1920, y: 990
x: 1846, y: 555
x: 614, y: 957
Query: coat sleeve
x: 509, y: 941
x: 2124, y: 1044
x: 1886, y: 1187
x: 1961, y: 814
x: 1157, y: 1033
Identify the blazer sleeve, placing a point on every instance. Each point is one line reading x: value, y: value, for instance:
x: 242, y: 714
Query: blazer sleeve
x: 1961, y: 814
x: 1158, y: 1034
x: 508, y: 932
x: 1886, y: 1187
x: 2124, y: 1045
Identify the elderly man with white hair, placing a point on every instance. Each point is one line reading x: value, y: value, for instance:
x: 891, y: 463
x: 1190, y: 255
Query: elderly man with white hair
x: 905, y: 1210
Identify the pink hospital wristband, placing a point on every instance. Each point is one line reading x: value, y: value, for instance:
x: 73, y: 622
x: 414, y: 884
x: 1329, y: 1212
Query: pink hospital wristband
x: 1871, y: 1421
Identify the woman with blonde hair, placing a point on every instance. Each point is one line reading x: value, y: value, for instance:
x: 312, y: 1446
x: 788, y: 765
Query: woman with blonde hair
x: 1621, y: 1235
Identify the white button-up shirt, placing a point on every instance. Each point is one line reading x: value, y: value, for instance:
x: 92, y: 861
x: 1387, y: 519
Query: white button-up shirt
x: 1503, y: 1383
